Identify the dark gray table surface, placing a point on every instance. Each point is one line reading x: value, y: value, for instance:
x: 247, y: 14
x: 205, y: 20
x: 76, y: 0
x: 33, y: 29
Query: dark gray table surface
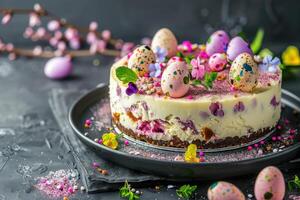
x: 26, y: 120
x: 24, y: 95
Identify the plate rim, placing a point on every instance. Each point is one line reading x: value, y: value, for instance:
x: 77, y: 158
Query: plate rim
x: 185, y: 164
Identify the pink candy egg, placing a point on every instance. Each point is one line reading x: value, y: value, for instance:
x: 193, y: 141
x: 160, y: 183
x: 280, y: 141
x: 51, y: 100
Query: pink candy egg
x: 217, y: 62
x: 269, y: 184
x: 58, y: 67
x: 237, y: 46
x: 217, y: 42
x: 175, y: 80
x: 224, y: 191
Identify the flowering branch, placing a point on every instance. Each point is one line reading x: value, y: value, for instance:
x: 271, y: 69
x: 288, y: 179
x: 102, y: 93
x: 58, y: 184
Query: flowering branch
x: 60, y: 34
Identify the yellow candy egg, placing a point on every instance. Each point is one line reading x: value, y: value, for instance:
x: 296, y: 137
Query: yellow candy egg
x: 164, y: 38
x: 140, y: 60
x: 243, y: 73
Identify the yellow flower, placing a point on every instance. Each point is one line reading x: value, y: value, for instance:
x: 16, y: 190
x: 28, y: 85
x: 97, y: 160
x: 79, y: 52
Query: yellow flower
x: 191, y: 154
x: 291, y: 56
x: 110, y: 140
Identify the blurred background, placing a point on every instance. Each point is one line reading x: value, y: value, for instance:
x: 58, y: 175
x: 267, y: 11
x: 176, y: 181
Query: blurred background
x: 194, y: 19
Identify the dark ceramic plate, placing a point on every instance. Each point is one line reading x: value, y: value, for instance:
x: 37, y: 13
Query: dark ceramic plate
x: 94, y: 105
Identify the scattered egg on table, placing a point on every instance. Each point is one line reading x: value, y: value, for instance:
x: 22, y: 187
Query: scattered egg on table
x: 140, y: 60
x: 217, y: 62
x: 58, y: 67
x: 237, y: 46
x: 175, y: 80
x: 243, y: 73
x: 217, y: 42
x: 270, y: 184
x: 164, y: 38
x: 222, y: 190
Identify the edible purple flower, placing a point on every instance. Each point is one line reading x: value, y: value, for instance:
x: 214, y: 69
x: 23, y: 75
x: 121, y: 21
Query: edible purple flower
x: 155, y: 70
x: 189, y: 124
x: 239, y: 107
x: 198, y: 70
x: 161, y: 54
x: 274, y: 102
x: 269, y: 64
x: 216, y: 109
x: 131, y: 89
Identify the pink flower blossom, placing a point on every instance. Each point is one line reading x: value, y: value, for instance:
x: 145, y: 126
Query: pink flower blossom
x: 34, y: 19
x: 53, y: 25
x: 146, y: 41
x: 28, y: 32
x: 203, y: 55
x: 61, y: 46
x: 41, y: 32
x: 98, y: 46
x: 106, y: 35
x: 188, y: 45
x: 198, y: 70
x: 37, y: 50
x: 91, y: 37
x: 75, y: 43
x: 71, y: 33
x: 93, y: 26
x: 6, y: 18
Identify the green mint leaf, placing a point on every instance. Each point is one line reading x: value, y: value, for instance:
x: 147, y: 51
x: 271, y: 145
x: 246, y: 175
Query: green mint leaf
x: 242, y: 35
x: 188, y: 59
x: 186, y: 191
x: 265, y: 52
x: 213, y: 76
x: 209, y: 40
x: 257, y: 42
x: 209, y: 78
x: 180, y: 55
x: 196, y: 82
x: 126, y: 75
x: 125, y: 192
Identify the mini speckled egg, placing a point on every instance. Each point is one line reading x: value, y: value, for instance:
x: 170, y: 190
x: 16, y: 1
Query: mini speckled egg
x: 217, y: 42
x: 175, y: 59
x: 175, y: 80
x: 243, y: 73
x: 217, y: 62
x: 269, y: 184
x: 164, y: 38
x: 224, y: 191
x: 140, y: 60
x: 237, y: 46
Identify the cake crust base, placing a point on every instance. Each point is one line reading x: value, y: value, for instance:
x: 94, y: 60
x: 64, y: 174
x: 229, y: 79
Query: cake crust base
x: 176, y: 142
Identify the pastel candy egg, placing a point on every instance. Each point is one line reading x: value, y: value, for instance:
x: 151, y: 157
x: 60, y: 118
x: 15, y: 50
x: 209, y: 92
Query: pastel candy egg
x: 237, y: 46
x: 269, y: 184
x: 175, y: 80
x: 217, y: 62
x: 164, y: 38
x: 217, y: 42
x: 243, y: 73
x: 140, y: 60
x: 224, y: 191
x: 175, y: 59
x: 58, y: 67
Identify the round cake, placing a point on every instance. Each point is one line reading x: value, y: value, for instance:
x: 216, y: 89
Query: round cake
x: 214, y: 95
